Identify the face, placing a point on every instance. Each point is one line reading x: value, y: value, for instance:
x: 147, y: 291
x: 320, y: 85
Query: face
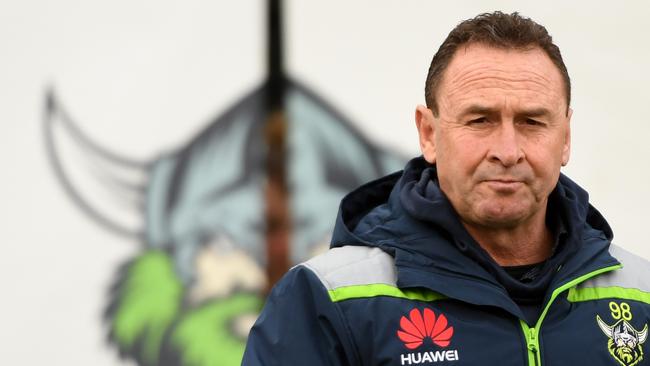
x: 500, y: 136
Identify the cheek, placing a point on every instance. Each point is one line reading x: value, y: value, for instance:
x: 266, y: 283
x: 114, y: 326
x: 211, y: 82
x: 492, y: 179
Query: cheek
x: 459, y: 150
x: 545, y: 156
x: 545, y: 162
x: 456, y: 163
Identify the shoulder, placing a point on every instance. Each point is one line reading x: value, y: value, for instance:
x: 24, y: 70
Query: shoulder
x: 352, y: 266
x: 631, y: 260
x: 634, y: 274
x: 300, y: 324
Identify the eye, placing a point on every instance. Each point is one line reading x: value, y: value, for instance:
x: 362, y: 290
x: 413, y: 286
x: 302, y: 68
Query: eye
x: 478, y: 120
x: 533, y: 122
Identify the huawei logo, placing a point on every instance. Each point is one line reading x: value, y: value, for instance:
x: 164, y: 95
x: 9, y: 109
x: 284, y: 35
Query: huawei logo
x: 420, y: 325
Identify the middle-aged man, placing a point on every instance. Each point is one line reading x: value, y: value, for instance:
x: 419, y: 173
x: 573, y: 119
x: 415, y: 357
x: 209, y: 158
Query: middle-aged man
x: 479, y: 252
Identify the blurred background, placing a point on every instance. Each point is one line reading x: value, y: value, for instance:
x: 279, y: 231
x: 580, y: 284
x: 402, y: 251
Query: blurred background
x: 136, y: 139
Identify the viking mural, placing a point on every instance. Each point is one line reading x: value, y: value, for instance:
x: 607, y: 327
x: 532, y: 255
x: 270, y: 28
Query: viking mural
x: 218, y: 219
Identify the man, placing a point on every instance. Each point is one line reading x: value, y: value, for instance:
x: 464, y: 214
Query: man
x: 480, y: 252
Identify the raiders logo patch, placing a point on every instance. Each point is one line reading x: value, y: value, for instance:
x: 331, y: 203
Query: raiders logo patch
x: 625, y: 343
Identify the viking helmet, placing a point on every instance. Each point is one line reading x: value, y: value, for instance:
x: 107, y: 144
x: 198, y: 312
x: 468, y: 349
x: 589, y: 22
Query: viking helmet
x: 623, y: 334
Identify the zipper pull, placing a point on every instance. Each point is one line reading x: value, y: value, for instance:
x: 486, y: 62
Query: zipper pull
x: 531, y: 344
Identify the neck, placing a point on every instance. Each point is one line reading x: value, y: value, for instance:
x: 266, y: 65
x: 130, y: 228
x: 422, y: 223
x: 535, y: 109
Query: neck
x: 527, y: 243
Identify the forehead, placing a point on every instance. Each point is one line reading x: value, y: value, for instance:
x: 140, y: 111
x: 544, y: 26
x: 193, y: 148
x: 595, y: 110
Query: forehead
x: 492, y: 74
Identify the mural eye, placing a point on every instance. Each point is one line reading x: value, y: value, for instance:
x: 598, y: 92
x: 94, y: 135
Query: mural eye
x: 256, y: 226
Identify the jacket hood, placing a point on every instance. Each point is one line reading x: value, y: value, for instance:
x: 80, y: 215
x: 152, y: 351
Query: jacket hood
x: 408, y: 216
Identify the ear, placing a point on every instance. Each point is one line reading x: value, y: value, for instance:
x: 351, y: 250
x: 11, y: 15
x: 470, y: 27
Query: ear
x: 426, y: 130
x: 566, y: 149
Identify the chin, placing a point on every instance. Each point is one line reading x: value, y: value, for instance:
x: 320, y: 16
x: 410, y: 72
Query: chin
x: 501, y: 219
x: 500, y: 223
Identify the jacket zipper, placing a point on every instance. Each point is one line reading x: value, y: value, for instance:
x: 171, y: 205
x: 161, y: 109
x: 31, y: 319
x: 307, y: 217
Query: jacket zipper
x: 532, y: 334
x: 532, y: 344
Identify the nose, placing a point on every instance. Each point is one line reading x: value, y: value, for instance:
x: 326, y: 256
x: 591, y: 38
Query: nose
x: 505, y: 148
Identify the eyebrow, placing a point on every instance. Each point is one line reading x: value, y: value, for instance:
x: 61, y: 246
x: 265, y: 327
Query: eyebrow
x: 478, y: 109
x: 533, y: 112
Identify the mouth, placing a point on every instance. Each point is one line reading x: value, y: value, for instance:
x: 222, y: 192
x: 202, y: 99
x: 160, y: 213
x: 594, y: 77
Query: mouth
x: 504, y: 185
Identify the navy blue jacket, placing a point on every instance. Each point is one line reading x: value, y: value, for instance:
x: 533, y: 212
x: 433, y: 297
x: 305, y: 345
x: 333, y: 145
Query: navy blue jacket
x: 405, y: 284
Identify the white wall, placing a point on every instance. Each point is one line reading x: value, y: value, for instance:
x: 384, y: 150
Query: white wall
x: 375, y: 69
x: 142, y: 77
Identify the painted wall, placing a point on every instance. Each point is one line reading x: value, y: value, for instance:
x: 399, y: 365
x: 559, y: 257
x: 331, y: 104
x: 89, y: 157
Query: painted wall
x: 143, y: 77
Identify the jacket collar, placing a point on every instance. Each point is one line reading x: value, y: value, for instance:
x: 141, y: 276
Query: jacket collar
x: 407, y: 216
